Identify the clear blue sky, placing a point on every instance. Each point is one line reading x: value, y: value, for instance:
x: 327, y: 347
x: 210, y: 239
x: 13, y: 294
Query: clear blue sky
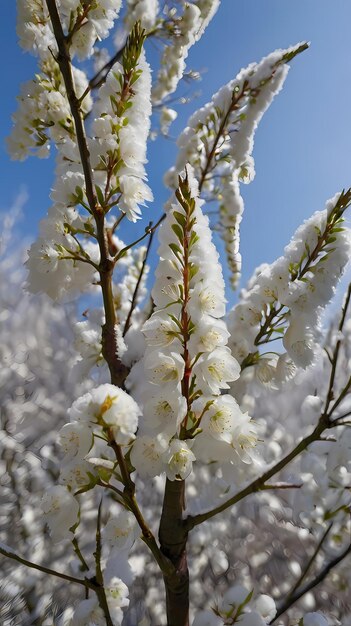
x: 302, y: 148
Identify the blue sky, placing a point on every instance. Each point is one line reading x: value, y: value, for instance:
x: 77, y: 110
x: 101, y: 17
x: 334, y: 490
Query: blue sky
x: 302, y: 151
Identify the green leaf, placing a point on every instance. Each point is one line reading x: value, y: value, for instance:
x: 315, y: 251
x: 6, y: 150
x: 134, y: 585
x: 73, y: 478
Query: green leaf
x: 100, y: 195
x: 178, y: 231
x: 180, y: 218
x: 176, y: 250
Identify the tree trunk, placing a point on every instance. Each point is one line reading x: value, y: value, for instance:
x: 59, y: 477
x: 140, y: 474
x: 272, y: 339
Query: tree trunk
x: 173, y: 538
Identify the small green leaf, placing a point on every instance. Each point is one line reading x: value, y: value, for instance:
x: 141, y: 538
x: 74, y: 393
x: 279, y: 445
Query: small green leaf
x: 100, y: 195
x: 178, y: 231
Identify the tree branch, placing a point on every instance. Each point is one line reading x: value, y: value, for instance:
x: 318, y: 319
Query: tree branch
x: 109, y: 341
x: 286, y: 603
x: 100, y: 591
x: 324, y: 423
x: 137, y: 286
x: 313, y: 583
x: 46, y: 570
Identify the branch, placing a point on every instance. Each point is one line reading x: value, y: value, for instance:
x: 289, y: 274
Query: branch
x: 323, y: 424
x: 100, y: 591
x: 313, y: 583
x: 5, y: 551
x: 259, y: 483
x: 64, y: 61
x: 100, y: 76
x: 280, y: 486
x: 130, y: 500
x: 220, y: 132
x: 330, y: 394
x: 118, y: 371
x: 288, y: 600
x: 149, y: 230
x: 137, y: 286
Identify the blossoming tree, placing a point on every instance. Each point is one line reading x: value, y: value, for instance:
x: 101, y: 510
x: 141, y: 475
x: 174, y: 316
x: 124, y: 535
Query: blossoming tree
x: 176, y: 416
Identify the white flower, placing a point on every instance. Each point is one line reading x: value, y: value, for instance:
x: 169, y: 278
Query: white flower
x: 299, y: 342
x: 160, y: 330
x: 207, y: 297
x: 75, y: 474
x: 134, y: 193
x: 88, y: 613
x: 179, y: 459
x: 219, y: 418
x: 111, y: 407
x: 164, y: 409
x: 233, y: 597
x: 60, y: 509
x: 164, y: 368
x: 252, y: 619
x: 216, y: 369
x: 314, y: 619
x: 117, y: 598
x: 208, y: 334
x: 75, y: 439
x: 119, y: 531
x: 147, y: 455
x: 207, y: 618
x: 265, y: 606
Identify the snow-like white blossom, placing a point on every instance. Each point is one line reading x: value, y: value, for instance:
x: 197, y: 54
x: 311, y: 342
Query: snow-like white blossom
x: 187, y: 362
x: 218, y: 142
x: 285, y: 300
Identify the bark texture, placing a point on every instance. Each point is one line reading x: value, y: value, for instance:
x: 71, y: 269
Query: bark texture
x: 173, y: 539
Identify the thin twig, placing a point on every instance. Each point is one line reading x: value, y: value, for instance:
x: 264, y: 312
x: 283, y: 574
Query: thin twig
x: 286, y: 603
x: 313, y: 583
x: 137, y: 286
x: 149, y: 230
x: 100, y: 591
x: 46, y: 570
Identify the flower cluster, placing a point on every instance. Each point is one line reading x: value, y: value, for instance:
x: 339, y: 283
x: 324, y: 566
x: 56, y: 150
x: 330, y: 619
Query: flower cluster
x: 83, y: 22
x: 187, y: 363
x: 144, y: 11
x: 236, y: 606
x: 182, y: 30
x: 218, y: 141
x: 324, y: 475
x: 129, y: 290
x: 43, y: 112
x: 66, y: 256
x: 89, y: 612
x: 103, y: 414
x: 120, y: 130
x: 285, y: 300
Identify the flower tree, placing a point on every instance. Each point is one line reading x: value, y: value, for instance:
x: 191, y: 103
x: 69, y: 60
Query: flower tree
x: 179, y: 414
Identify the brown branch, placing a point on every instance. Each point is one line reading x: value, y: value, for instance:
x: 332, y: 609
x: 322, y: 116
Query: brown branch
x: 286, y: 603
x: 64, y: 61
x: 330, y: 393
x: 137, y: 286
x: 100, y: 76
x: 220, y: 132
x: 324, y: 423
x: 109, y: 341
x: 173, y: 539
x: 130, y: 500
x: 313, y: 583
x: 100, y: 590
x: 259, y: 483
x: 46, y: 570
